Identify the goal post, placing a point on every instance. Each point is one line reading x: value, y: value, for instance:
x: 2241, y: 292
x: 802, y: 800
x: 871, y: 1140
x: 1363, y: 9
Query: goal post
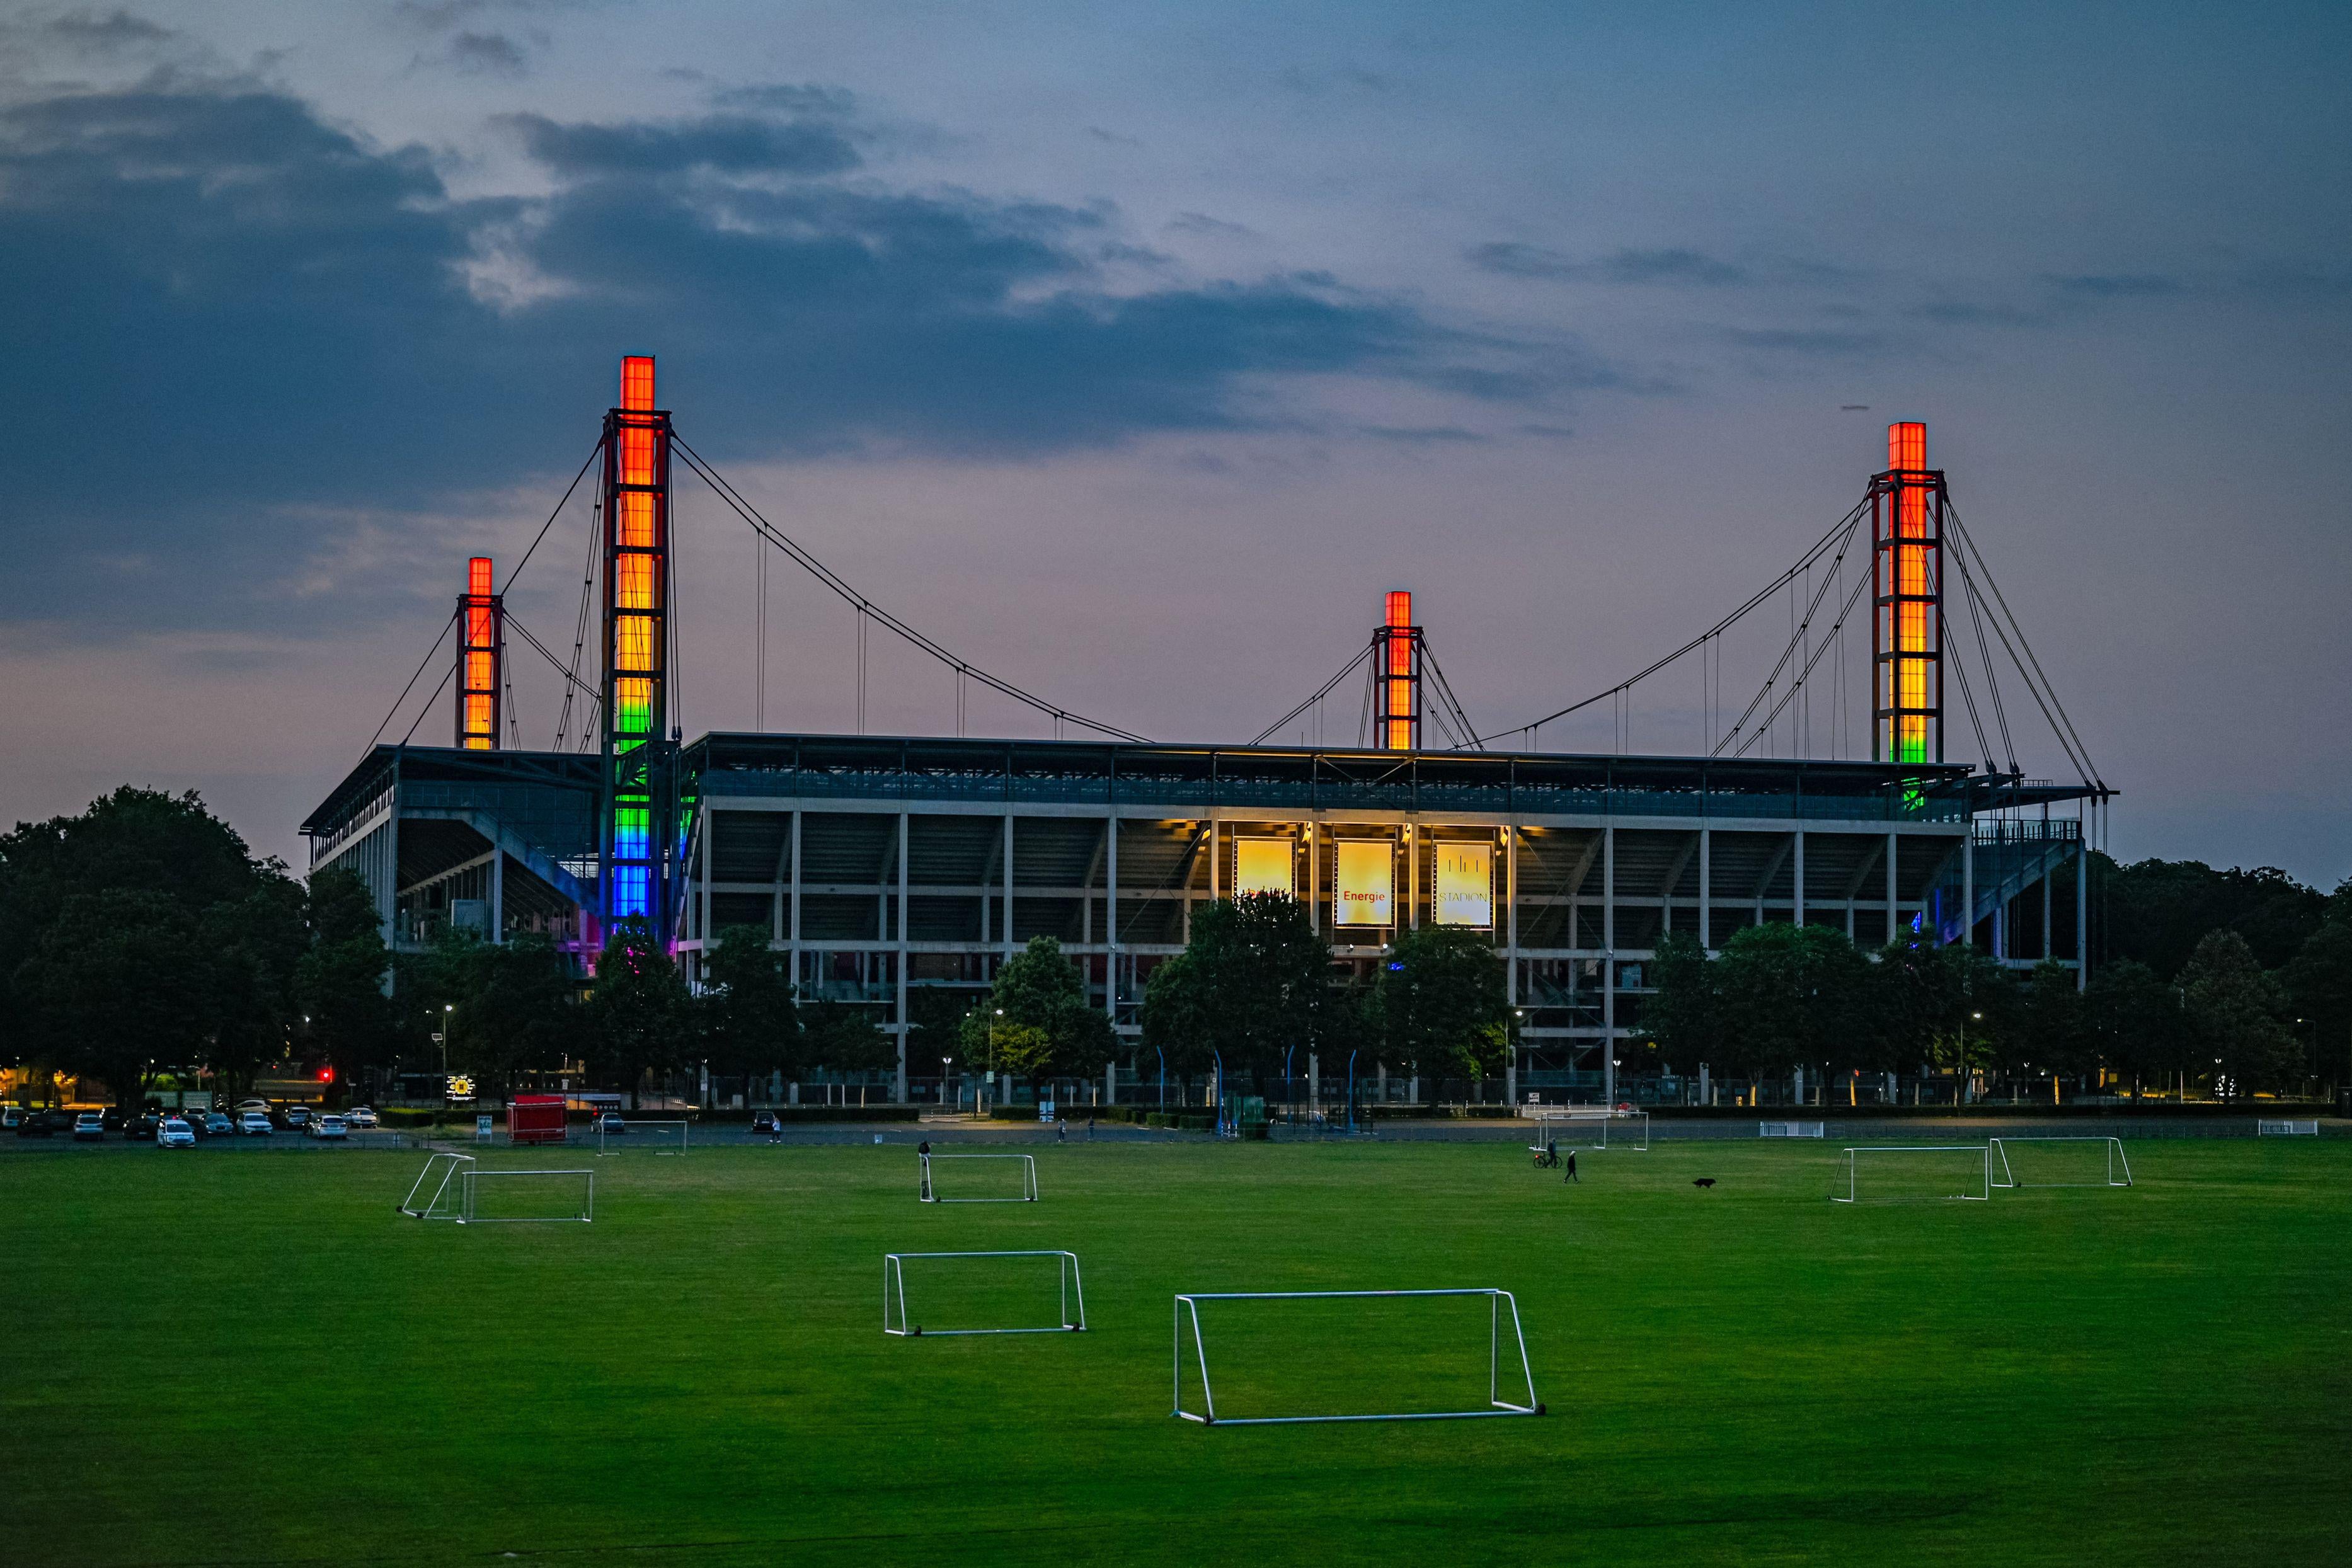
x: 1587, y: 1127
x: 1959, y: 1157
x: 542, y: 1196
x: 2268, y: 1128
x: 2108, y: 1151
x: 927, y: 1189
x: 1502, y: 1306
x: 442, y: 1202
x: 1790, y: 1130
x: 1070, y: 1317
x: 659, y: 1136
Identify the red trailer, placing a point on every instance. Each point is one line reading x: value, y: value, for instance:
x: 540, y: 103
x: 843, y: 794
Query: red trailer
x: 535, y: 1119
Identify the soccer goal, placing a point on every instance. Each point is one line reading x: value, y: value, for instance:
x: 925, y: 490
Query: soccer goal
x: 2265, y: 1129
x: 1896, y: 1172
x: 1788, y: 1129
x: 1011, y: 1179
x: 983, y: 1284
x: 444, y: 1200
x: 663, y: 1137
x: 1283, y: 1354
x: 2084, y: 1161
x: 527, y: 1197
x: 1587, y: 1127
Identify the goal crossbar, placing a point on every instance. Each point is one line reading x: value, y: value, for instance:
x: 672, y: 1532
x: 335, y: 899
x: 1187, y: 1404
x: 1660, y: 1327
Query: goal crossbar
x: 586, y: 1213
x: 1983, y: 1151
x: 894, y: 1287
x: 630, y: 1126
x: 2005, y: 1175
x: 433, y: 1207
x: 925, y: 1192
x: 2265, y: 1128
x: 1188, y: 1311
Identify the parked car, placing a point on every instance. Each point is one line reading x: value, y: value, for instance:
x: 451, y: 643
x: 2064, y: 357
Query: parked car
x: 254, y: 1123
x: 359, y: 1116
x: 329, y: 1127
x: 142, y: 1128
x: 110, y: 1119
x: 44, y: 1124
x: 610, y: 1122
x: 298, y: 1118
x: 765, y: 1122
x: 13, y: 1116
x: 88, y: 1127
x: 244, y: 1106
x: 175, y: 1133
x: 212, y: 1124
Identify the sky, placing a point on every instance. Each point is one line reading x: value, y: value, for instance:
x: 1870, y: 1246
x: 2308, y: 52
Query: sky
x: 1132, y: 352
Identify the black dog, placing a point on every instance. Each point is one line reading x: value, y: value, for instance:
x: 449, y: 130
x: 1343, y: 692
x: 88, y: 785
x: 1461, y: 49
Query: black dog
x: 1704, y: 1181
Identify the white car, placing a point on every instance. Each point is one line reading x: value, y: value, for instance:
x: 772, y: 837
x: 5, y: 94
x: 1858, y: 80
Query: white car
x: 329, y: 1127
x: 254, y: 1123
x: 175, y: 1134
x: 359, y: 1116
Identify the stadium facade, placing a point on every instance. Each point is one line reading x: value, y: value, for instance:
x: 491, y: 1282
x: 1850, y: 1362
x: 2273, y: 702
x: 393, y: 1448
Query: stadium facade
x: 885, y: 866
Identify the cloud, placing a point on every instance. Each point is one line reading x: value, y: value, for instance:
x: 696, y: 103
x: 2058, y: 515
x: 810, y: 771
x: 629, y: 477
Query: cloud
x: 730, y: 143
x: 1113, y: 136
x: 288, y: 324
x: 1216, y: 228
x: 2115, y: 286
x: 1672, y: 268
x: 1814, y: 342
x: 487, y: 54
x: 85, y: 31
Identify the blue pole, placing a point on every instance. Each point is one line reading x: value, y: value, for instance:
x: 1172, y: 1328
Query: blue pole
x: 1163, y: 1076
x: 1351, y: 1091
x: 1220, y: 1090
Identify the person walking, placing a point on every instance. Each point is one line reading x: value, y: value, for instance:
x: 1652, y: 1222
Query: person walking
x: 1572, y: 1169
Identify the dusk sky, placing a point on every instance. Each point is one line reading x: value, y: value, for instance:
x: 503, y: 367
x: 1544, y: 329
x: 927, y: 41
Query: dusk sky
x: 1132, y: 352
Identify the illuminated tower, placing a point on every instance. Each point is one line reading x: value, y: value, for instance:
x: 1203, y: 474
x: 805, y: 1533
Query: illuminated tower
x: 1396, y: 650
x: 1906, y: 628
x: 633, y: 880
x: 481, y: 658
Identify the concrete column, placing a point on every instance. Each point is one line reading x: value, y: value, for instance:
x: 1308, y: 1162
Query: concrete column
x: 1798, y: 912
x: 1314, y: 1081
x: 1007, y: 934
x: 792, y: 936
x: 702, y: 905
x: 1706, y: 888
x: 1111, y: 916
x: 1609, y: 964
x: 498, y: 897
x: 1314, y: 875
x: 1892, y: 923
x: 2082, y: 912
x: 1968, y: 887
x: 903, y: 1017
x: 1216, y: 859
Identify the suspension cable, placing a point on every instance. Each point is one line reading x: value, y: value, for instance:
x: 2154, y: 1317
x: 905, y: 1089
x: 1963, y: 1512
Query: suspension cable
x: 1321, y: 692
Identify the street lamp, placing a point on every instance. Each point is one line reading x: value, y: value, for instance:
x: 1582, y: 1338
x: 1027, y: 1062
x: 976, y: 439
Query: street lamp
x: 945, y: 1062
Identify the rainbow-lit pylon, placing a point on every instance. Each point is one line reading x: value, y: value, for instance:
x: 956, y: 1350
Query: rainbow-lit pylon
x: 633, y: 883
x: 481, y: 658
x: 1906, y: 628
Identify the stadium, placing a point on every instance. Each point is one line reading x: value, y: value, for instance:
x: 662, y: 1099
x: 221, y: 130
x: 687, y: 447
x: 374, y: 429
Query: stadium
x: 885, y: 866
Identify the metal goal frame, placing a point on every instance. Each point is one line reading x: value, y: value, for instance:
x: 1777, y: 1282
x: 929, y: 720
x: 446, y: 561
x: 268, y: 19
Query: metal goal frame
x: 1571, y: 1116
x: 1999, y: 1151
x: 926, y: 1193
x: 1188, y: 1309
x: 433, y: 1209
x: 894, y: 1286
x: 631, y: 1124
x: 1982, y: 1150
x: 586, y: 1215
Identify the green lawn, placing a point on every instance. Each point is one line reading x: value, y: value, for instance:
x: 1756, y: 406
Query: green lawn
x: 236, y: 1356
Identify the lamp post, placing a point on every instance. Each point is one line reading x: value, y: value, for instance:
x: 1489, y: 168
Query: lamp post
x: 946, y: 1062
x: 992, y: 1047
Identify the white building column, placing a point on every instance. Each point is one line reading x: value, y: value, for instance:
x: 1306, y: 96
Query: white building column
x: 1111, y: 916
x: 1007, y: 934
x: 1609, y: 964
x: 1797, y: 914
x: 905, y: 1021
x: 1707, y: 889
x: 1892, y: 923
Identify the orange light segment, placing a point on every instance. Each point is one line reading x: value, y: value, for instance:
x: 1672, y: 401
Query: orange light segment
x: 478, y: 576
x: 1400, y: 607
x: 637, y: 384
x: 1907, y: 445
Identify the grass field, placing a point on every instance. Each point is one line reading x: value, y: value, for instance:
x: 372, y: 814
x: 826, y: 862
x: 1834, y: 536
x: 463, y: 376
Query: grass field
x: 250, y: 1358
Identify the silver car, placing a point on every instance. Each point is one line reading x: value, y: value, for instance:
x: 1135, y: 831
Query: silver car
x: 329, y: 1127
x: 254, y: 1123
x: 175, y: 1134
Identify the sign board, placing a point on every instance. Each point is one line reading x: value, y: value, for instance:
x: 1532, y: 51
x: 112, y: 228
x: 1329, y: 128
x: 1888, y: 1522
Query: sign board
x: 1264, y: 865
x: 1044, y: 1110
x: 481, y: 1129
x: 1363, y: 883
x: 1464, y: 883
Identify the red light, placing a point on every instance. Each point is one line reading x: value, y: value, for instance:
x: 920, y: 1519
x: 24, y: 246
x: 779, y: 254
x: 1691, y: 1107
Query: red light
x: 326, y: 1075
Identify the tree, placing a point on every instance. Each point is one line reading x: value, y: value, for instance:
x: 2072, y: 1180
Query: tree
x: 1043, y: 1023
x: 749, y: 1025
x: 2238, y: 1013
x: 1788, y: 995
x: 1947, y: 1007
x: 2054, y: 1025
x: 2319, y: 981
x: 1252, y: 983
x: 937, y: 1016
x: 339, y: 980
x: 1685, y: 1015
x: 639, y: 1014
x: 2158, y: 911
x: 844, y: 1039
x: 2137, y: 1024
x: 523, y: 1015
x: 1442, y: 1004
x: 118, y: 982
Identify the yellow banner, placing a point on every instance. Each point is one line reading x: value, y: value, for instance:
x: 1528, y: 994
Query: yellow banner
x: 1465, y: 884
x: 1364, y: 887
x: 1263, y: 865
